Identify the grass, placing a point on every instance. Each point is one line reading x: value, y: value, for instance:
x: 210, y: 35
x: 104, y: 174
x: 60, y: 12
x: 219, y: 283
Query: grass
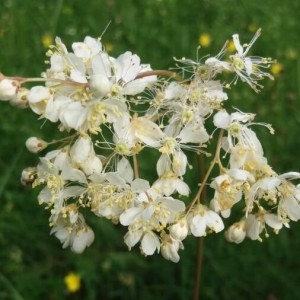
x: 32, y: 263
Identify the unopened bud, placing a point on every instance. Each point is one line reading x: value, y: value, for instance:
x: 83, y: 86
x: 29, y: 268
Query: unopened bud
x: 20, y: 100
x: 8, y: 89
x: 179, y: 230
x: 34, y: 144
x: 28, y: 176
x: 236, y: 233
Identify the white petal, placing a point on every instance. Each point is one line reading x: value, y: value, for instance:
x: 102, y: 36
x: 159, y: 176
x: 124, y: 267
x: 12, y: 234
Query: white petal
x: 214, y: 221
x: 92, y: 165
x: 147, y: 131
x: 237, y: 44
x: 181, y: 187
x: 82, y: 239
x: 127, y: 66
x: 125, y: 170
x: 73, y: 115
x: 273, y: 221
x: 291, y: 207
x: 81, y: 150
x: 140, y: 185
x: 163, y: 164
x: 150, y: 243
x: 248, y: 66
x: 132, y: 237
x: 193, y: 133
x: 222, y: 119
x: 129, y: 216
x: 179, y: 163
x: 290, y: 175
x: 253, y: 227
x: 198, y: 226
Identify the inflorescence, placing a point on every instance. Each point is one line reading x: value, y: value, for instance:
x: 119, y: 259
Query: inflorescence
x: 113, y: 108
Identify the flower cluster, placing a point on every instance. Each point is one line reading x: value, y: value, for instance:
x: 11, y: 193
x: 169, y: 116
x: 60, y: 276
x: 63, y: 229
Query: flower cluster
x: 112, y: 109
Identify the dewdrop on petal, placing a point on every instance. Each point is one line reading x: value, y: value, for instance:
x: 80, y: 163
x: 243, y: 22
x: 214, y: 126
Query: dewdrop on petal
x: 236, y: 233
x: 35, y: 145
x: 28, y: 176
x: 8, y: 89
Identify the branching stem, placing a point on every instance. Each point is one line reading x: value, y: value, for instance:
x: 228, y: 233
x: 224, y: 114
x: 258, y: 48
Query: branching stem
x: 165, y: 73
x: 204, y: 181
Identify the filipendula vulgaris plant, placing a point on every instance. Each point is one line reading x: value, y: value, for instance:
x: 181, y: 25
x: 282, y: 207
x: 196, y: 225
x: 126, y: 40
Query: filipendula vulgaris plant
x: 86, y: 91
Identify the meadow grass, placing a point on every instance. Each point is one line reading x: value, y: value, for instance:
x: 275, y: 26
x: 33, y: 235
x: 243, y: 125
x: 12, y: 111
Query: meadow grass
x: 32, y: 263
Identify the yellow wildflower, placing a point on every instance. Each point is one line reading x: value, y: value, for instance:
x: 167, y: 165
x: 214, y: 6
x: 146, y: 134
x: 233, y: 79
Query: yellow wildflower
x: 231, y: 47
x: 73, y: 282
x: 276, y: 69
x: 292, y: 53
x: 47, y: 40
x: 204, y: 39
x: 252, y: 27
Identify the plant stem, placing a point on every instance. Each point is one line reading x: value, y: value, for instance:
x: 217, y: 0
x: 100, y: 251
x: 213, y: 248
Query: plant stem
x: 203, y: 180
x: 135, y: 167
x: 201, y: 194
x: 199, y: 240
x: 198, y: 268
x: 166, y: 73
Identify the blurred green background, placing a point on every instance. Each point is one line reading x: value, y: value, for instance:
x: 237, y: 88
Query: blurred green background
x: 32, y: 263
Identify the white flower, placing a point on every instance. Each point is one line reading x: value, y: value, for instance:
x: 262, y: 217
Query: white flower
x: 127, y: 67
x: 202, y: 219
x: 78, y: 236
x: 255, y: 224
x: 265, y: 188
x: 146, y: 219
x: 169, y: 248
x: 236, y: 233
x: 169, y: 183
x: 87, y: 49
x: 238, y: 130
x: 249, y: 68
x: 229, y: 190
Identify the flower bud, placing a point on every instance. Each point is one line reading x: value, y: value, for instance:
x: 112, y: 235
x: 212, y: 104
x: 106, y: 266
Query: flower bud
x: 179, y: 230
x: 20, y: 100
x: 34, y: 144
x: 28, y: 176
x: 236, y: 233
x: 8, y: 89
